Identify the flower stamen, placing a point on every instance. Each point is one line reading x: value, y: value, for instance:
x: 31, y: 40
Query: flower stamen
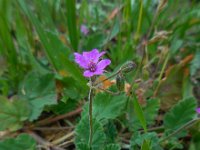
x: 92, y: 66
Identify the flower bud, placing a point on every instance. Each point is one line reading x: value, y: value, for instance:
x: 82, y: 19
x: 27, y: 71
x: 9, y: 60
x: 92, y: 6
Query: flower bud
x: 128, y: 67
x: 120, y: 82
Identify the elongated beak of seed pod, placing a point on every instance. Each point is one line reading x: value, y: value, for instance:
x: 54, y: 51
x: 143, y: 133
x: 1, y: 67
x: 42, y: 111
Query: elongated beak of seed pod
x: 120, y: 82
x: 128, y: 67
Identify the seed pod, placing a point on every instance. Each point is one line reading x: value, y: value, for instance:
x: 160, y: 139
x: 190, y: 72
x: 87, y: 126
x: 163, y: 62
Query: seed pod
x: 120, y: 82
x: 128, y: 67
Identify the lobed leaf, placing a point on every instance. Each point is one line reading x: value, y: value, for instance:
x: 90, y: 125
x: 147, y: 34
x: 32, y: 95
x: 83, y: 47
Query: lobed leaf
x: 39, y: 91
x: 112, y: 147
x: 13, y: 113
x: 22, y: 142
x: 106, y: 106
x: 82, y: 134
x: 147, y: 140
x: 180, y: 114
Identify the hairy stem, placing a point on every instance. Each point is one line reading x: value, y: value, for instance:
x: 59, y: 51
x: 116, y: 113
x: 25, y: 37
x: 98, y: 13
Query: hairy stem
x: 90, y: 115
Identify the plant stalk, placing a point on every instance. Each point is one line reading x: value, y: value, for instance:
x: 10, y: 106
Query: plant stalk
x: 90, y: 98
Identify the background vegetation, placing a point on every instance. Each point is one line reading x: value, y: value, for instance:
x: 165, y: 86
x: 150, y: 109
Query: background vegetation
x: 43, y: 101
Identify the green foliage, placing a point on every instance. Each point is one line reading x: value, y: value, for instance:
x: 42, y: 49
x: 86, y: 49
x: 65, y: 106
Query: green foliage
x: 111, y: 132
x: 106, y: 106
x: 139, y: 113
x: 37, y: 42
x: 39, y: 91
x: 56, y: 51
x: 21, y: 142
x: 148, y: 140
x: 13, y: 113
x: 96, y: 40
x: 180, y: 114
x: 64, y: 106
x: 82, y: 146
x: 195, y: 64
x: 82, y: 134
x: 145, y: 145
x: 150, y: 112
x: 112, y: 147
x: 71, y: 23
x: 195, y: 141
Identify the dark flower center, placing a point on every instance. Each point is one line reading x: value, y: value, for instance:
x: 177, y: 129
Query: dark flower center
x: 92, y: 66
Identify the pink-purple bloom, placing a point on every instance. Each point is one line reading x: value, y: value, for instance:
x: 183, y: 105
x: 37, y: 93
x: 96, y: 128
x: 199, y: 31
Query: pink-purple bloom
x: 91, y: 62
x: 198, y: 110
x: 84, y: 29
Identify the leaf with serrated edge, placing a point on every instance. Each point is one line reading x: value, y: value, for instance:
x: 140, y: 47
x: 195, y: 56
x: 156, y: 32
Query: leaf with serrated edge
x: 22, y: 142
x: 82, y: 133
x: 180, y: 114
x: 13, y: 113
x: 112, y: 147
x: 106, y: 106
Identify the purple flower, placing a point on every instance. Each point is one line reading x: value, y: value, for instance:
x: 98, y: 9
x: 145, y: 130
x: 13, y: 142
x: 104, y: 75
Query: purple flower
x: 90, y: 61
x: 198, y: 110
x: 84, y: 29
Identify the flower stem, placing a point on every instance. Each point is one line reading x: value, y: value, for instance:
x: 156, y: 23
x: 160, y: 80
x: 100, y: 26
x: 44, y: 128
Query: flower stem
x: 90, y: 97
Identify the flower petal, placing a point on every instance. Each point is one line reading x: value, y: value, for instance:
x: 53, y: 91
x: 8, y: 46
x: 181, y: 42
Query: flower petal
x: 102, y: 53
x: 103, y: 64
x: 98, y: 72
x: 88, y: 73
x: 92, y: 56
x: 79, y: 59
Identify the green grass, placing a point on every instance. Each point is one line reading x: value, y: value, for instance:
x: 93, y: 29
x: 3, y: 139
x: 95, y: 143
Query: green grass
x: 38, y: 39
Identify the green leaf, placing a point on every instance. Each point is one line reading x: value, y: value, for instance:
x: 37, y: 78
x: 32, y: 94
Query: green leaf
x: 43, y: 9
x: 82, y: 134
x: 115, y: 29
x: 180, y: 114
x: 112, y: 147
x: 71, y: 23
x: 72, y: 88
x: 96, y: 40
x: 25, y: 51
x: 195, y: 64
x: 111, y: 132
x: 8, y: 48
x: 150, y: 113
x: 151, y: 110
x: 176, y: 45
x: 138, y: 140
x: 145, y: 145
x: 64, y: 107
x: 139, y: 112
x: 82, y: 146
x: 13, y: 113
x: 56, y: 51
x: 39, y: 90
x: 106, y: 106
x: 22, y: 142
